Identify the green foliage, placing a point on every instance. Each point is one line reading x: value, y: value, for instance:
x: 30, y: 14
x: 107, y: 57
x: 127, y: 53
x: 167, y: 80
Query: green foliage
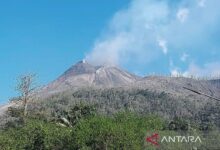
x: 122, y: 131
x: 179, y: 124
x: 36, y: 140
x: 80, y: 111
x: 35, y: 134
x: 108, y: 119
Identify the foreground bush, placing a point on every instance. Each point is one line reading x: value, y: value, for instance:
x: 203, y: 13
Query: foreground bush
x: 122, y: 131
x: 35, y: 135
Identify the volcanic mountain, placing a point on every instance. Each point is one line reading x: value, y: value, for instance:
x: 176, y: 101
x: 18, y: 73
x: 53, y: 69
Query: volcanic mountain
x: 84, y: 74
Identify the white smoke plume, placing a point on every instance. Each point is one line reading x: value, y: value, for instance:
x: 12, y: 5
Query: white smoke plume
x: 148, y: 30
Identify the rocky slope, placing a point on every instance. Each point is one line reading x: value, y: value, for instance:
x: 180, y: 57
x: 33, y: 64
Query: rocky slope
x: 215, y: 82
x: 83, y: 74
x: 178, y: 87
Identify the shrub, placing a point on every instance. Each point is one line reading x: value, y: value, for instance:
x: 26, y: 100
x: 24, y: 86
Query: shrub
x: 122, y: 131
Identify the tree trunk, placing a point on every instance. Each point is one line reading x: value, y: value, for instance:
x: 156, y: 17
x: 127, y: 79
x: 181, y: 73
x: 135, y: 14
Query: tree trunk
x: 25, y: 106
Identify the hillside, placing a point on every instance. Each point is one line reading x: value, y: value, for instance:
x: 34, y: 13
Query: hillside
x: 86, y: 78
x: 84, y: 75
x: 215, y: 82
x: 176, y: 87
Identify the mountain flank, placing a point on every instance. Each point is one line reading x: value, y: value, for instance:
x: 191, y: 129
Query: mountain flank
x: 85, y: 75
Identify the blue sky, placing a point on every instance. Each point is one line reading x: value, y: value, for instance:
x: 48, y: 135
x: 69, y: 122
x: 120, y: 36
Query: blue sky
x: 143, y: 36
x: 47, y: 36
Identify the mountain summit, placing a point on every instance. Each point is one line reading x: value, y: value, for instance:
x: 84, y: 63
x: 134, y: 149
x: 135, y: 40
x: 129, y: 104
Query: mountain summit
x: 83, y: 74
x: 82, y: 67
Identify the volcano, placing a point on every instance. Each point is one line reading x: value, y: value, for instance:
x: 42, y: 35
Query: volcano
x: 83, y: 74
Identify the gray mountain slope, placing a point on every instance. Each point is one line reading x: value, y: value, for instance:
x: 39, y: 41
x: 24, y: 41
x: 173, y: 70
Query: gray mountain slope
x: 215, y: 82
x: 83, y: 74
x: 175, y: 86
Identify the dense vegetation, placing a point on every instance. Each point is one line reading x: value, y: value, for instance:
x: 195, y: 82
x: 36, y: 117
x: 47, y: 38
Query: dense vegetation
x: 109, y: 119
x: 141, y: 101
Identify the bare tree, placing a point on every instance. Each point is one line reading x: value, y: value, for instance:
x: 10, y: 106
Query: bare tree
x: 25, y: 86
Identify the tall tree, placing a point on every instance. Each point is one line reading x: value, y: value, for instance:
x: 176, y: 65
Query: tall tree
x: 25, y: 86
